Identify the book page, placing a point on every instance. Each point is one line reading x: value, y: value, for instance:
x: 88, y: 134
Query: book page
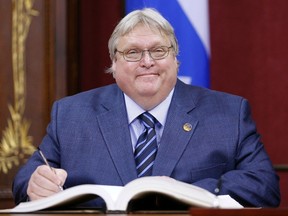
x: 225, y: 201
x: 76, y: 193
x: 180, y: 191
x: 117, y: 197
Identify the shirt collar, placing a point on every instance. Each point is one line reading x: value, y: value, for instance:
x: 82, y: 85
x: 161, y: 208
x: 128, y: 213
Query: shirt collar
x: 159, y: 112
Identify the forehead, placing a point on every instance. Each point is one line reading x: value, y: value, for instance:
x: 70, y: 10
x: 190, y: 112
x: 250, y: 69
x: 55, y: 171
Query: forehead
x: 143, y: 36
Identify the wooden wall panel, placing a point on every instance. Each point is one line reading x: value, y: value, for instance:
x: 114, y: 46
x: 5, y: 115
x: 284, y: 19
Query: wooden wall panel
x: 95, y: 27
x: 36, y: 38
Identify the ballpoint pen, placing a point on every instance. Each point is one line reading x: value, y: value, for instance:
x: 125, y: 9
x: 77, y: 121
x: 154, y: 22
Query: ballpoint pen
x: 46, y: 162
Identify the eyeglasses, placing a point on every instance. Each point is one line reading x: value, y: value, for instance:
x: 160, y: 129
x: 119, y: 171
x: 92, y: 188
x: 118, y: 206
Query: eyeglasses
x: 134, y: 55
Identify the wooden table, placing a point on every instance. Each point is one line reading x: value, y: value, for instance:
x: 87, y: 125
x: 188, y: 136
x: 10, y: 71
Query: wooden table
x: 191, y: 212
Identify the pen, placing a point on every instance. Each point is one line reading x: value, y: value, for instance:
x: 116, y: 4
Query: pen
x: 46, y: 162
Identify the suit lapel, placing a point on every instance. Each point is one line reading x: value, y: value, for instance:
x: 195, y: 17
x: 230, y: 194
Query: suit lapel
x: 115, y: 130
x: 179, y: 128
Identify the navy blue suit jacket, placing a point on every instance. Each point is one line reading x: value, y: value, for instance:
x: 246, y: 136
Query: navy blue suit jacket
x: 88, y: 136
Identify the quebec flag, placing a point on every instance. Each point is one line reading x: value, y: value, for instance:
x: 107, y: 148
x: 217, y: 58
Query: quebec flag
x: 190, y: 21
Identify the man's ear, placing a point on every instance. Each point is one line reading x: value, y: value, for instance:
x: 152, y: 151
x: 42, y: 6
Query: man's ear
x: 113, y: 66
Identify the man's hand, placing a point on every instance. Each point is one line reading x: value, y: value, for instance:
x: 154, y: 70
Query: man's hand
x: 44, y: 182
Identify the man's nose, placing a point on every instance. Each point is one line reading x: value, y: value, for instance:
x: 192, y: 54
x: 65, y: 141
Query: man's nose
x: 146, y: 56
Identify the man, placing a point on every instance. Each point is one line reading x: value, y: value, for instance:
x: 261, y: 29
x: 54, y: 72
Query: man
x: 203, y: 137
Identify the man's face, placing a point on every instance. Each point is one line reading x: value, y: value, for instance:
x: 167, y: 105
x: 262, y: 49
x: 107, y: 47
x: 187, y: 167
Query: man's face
x: 148, y: 82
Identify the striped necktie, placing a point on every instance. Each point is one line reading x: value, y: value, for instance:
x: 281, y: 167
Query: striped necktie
x: 146, y: 146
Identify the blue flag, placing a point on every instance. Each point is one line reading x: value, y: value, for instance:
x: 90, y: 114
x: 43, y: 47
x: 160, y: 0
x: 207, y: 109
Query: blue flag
x: 190, y: 21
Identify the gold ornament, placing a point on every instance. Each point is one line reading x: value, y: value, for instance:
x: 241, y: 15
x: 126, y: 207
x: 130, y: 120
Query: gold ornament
x: 16, y: 143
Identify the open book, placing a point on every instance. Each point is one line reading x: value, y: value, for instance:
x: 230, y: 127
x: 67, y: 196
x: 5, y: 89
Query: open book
x: 117, y: 198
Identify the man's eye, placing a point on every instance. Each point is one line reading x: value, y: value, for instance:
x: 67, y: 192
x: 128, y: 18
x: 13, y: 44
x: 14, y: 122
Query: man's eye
x: 158, y: 50
x: 132, y: 51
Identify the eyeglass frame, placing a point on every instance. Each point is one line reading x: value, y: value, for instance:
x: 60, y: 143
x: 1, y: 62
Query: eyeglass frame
x: 142, y: 53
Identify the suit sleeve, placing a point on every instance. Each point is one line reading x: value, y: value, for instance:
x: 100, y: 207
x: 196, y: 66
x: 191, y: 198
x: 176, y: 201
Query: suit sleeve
x: 49, y: 146
x: 253, y: 182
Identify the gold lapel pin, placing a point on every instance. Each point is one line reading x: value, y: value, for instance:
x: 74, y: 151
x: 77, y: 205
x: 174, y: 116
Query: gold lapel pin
x: 187, y: 127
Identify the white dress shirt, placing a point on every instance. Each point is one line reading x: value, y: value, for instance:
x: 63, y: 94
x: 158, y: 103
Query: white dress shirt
x: 159, y: 112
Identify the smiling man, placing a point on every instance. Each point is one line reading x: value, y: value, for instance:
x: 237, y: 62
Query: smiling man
x: 151, y: 123
x: 146, y: 69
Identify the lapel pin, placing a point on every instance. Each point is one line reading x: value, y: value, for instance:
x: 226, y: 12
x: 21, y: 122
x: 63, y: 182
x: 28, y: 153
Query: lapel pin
x: 187, y: 127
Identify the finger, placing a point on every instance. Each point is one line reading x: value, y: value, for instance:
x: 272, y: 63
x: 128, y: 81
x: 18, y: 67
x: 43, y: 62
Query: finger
x: 49, y: 174
x: 62, y: 175
x: 42, y: 183
x: 35, y: 191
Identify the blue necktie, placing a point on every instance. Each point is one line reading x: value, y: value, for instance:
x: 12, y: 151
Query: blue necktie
x: 146, y: 146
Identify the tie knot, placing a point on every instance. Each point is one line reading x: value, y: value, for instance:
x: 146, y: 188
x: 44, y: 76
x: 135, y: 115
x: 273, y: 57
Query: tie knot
x: 148, y: 120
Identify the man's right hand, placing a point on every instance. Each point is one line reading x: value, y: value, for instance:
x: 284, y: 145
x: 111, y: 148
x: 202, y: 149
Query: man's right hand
x: 45, y: 182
